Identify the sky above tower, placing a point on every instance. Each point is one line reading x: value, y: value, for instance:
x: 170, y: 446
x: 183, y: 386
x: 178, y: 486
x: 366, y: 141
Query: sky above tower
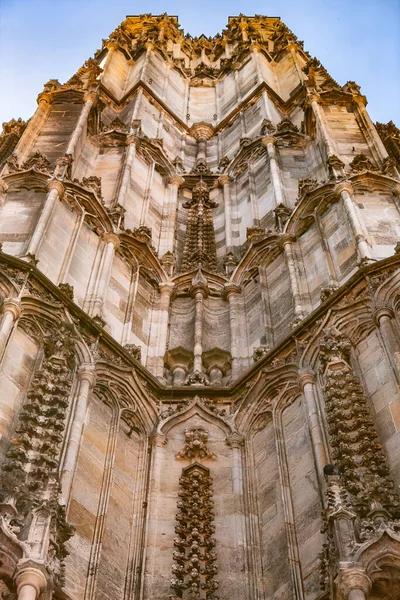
x: 354, y: 39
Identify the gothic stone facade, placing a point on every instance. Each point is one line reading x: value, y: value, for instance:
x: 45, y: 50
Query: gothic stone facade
x: 200, y: 329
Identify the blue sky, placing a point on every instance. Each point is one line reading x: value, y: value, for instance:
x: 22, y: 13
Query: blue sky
x: 354, y: 39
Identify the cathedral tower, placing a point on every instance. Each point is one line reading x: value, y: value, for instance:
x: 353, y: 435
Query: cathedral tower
x: 200, y: 327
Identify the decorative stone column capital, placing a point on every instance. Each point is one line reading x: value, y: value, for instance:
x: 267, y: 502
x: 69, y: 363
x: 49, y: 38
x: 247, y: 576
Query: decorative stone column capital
x: 159, y: 440
x: 291, y: 46
x: 285, y: 239
x: 382, y: 312
x: 269, y: 139
x: 44, y: 98
x: 313, y: 98
x: 166, y: 288
x: 30, y: 574
x: 12, y: 305
x: 3, y: 186
x: 224, y: 179
x: 360, y: 100
x: 55, y: 184
x: 343, y: 186
x: 235, y: 440
x: 199, y: 288
x: 86, y: 372
x: 113, y: 238
x: 230, y: 289
x: 353, y: 579
x: 131, y: 139
x: 112, y: 46
x: 306, y: 376
x: 202, y: 130
x: 176, y: 179
x: 90, y: 96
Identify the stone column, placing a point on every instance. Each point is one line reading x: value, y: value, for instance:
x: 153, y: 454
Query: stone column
x: 30, y: 583
x: 307, y: 384
x: 199, y: 292
x: 127, y: 174
x: 344, y: 190
x: 201, y: 132
x: 276, y: 177
x: 323, y: 126
x: 179, y: 373
x: 353, y: 584
x: 286, y: 244
x: 86, y: 380
x: 231, y: 292
x: 166, y: 289
x: 34, y: 126
x: 56, y: 191
x: 103, y: 278
x: 224, y: 181
x: 378, y: 145
x: 169, y: 217
x: 11, y: 311
x: 383, y: 318
x: 236, y: 442
x: 89, y: 100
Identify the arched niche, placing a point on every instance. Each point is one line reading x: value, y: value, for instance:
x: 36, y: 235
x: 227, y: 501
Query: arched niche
x: 169, y: 460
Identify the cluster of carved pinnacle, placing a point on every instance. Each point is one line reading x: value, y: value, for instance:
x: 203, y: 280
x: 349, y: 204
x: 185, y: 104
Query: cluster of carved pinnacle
x: 29, y: 482
x: 354, y: 440
x: 34, y: 451
x: 135, y: 33
x: 195, y: 565
x: 200, y: 248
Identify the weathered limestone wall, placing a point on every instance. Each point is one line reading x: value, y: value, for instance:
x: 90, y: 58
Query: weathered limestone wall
x: 274, y: 554
x: 22, y: 206
x: 305, y: 494
x: 17, y: 366
x: 383, y: 391
x: 105, y: 506
x: 56, y: 132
